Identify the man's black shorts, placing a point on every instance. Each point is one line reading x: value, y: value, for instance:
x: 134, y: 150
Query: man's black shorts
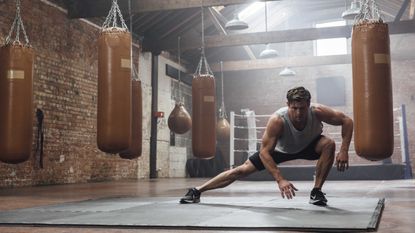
x: 308, y: 153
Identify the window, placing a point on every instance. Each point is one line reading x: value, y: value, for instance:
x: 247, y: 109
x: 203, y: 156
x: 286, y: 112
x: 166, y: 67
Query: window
x: 335, y: 46
x: 250, y: 10
x: 331, y: 91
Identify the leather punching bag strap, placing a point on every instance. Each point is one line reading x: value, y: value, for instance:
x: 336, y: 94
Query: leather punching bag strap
x: 40, y: 137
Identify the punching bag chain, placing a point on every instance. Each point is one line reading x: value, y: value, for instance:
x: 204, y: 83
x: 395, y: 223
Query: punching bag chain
x: 111, y: 20
x: 134, y: 69
x: 369, y: 12
x: 222, y: 112
x: 179, y: 95
x: 18, y: 23
x: 203, y: 29
x: 203, y: 67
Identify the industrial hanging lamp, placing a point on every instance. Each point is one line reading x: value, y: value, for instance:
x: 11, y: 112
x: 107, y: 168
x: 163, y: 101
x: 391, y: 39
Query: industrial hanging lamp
x: 236, y: 24
x: 351, y: 13
x: 268, y: 52
x: 287, y: 72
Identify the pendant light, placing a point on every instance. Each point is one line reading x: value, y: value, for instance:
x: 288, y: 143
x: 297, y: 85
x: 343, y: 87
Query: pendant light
x: 287, y: 72
x: 351, y: 13
x: 236, y: 24
x: 268, y: 52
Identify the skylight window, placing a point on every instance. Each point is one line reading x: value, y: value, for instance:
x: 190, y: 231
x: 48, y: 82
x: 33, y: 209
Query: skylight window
x: 335, y: 46
x: 250, y: 10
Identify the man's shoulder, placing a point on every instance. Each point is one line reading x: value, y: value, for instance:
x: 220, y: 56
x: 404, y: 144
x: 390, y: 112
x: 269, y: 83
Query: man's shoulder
x: 316, y: 107
x: 281, y: 111
x: 276, y: 120
x: 321, y: 111
x: 275, y: 124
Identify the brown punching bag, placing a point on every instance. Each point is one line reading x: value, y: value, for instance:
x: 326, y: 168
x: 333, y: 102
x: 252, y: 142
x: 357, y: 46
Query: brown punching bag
x: 223, y: 130
x: 16, y: 102
x: 203, y: 116
x: 114, y: 90
x: 179, y: 119
x: 134, y: 151
x: 372, y: 91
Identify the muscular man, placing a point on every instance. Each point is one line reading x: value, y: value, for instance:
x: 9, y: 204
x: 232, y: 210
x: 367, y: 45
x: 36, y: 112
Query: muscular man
x: 292, y: 132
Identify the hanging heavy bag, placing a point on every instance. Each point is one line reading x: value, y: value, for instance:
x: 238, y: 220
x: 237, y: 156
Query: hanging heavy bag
x: 134, y: 151
x: 16, y: 103
x: 203, y: 107
x: 114, y: 86
x: 16, y: 96
x: 179, y: 119
x: 203, y: 116
x: 372, y: 90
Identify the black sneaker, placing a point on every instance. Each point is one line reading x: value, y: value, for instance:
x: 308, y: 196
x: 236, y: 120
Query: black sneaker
x: 317, y: 198
x: 192, y: 196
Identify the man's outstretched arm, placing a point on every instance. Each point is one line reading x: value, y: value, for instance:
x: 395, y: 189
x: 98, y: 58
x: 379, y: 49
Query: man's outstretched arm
x: 334, y: 117
x: 269, y: 141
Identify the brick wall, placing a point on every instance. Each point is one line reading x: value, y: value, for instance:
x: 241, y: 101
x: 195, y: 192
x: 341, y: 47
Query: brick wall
x: 65, y: 88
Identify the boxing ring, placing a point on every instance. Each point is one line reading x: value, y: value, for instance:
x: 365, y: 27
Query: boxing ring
x: 247, y: 128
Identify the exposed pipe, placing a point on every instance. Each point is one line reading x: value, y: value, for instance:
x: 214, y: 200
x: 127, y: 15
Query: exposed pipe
x: 154, y: 107
x: 405, y: 144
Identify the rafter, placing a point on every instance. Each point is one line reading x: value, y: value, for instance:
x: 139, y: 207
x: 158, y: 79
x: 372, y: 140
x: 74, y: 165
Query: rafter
x: 402, y: 10
x: 281, y: 62
x: 305, y: 34
x: 301, y: 61
x: 222, y: 31
x: 99, y: 8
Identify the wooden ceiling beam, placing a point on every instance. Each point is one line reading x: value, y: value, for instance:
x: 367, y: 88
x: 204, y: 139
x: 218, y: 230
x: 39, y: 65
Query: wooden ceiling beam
x: 161, y: 5
x: 100, y: 8
x: 302, y: 61
x: 306, y: 34
x: 401, y: 10
x: 172, y: 29
x: 222, y: 31
x: 412, y: 9
x: 282, y: 62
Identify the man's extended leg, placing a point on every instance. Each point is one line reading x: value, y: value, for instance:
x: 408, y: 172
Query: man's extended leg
x: 222, y: 180
x: 227, y: 177
x: 326, y: 148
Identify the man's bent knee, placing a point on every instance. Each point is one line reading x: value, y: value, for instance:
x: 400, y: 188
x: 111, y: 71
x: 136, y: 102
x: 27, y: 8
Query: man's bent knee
x: 326, y: 145
x: 243, y: 170
x: 329, y: 145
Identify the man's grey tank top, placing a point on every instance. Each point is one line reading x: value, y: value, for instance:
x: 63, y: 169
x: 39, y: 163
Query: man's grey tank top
x: 292, y: 140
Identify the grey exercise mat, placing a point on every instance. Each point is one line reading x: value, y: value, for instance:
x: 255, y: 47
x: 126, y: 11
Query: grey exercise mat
x: 244, y: 213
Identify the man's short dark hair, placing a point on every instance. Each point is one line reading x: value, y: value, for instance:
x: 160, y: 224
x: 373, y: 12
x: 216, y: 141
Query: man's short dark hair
x: 298, y: 94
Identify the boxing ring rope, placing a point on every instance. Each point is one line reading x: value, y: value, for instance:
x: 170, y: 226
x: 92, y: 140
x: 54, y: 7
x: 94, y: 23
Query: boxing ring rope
x: 250, y: 125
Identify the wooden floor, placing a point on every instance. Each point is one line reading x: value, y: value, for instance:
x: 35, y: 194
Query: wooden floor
x: 398, y: 215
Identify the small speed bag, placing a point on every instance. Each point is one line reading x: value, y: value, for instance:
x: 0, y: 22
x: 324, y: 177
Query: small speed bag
x: 223, y: 130
x: 114, y: 91
x: 134, y: 151
x: 16, y: 102
x: 372, y: 91
x: 179, y: 119
x: 203, y: 116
